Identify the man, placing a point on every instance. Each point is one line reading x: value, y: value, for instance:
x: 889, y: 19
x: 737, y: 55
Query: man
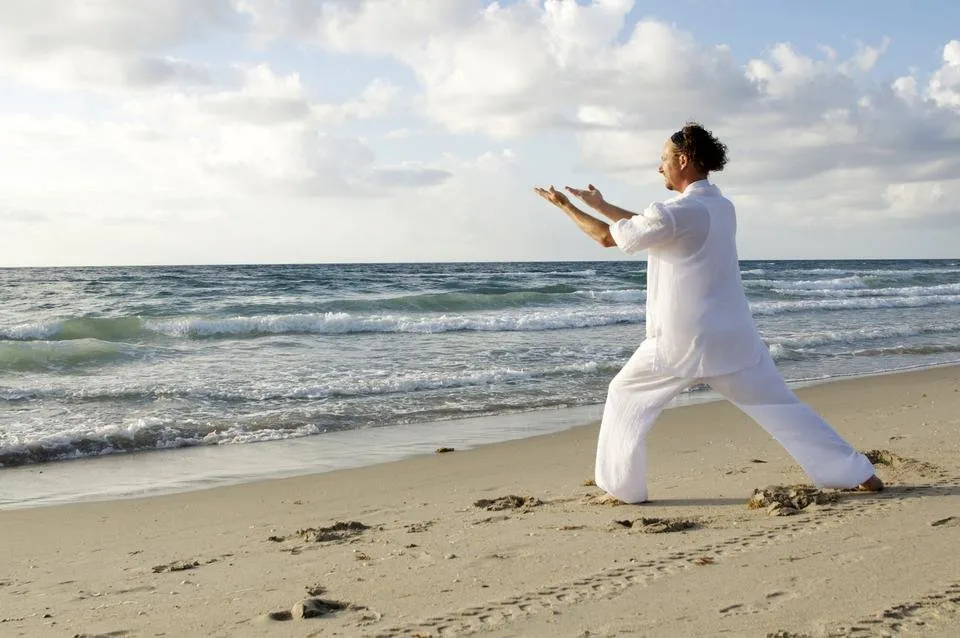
x: 698, y: 327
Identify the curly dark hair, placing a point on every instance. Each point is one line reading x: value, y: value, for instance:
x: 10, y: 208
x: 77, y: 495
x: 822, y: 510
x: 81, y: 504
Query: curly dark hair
x: 704, y: 151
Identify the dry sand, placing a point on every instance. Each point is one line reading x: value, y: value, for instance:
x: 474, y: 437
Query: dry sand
x: 414, y: 554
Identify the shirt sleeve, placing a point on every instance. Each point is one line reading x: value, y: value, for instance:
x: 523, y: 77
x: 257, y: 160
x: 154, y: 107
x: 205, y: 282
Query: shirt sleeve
x: 653, y: 226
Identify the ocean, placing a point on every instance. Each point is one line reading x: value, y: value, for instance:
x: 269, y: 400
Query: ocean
x: 361, y: 360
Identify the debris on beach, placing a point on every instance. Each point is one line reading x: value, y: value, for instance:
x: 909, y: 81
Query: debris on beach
x: 444, y: 450
x: 339, y: 531
x: 652, y: 525
x: 176, y: 566
x: 787, y: 500
x: 950, y: 521
x: 315, y: 589
x: 309, y: 608
x: 419, y: 526
x: 510, y: 502
x: 492, y: 519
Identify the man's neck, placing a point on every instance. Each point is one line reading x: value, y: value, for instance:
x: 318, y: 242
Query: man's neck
x: 685, y: 184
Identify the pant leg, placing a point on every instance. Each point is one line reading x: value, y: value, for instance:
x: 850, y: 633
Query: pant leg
x: 635, y: 398
x: 822, y: 453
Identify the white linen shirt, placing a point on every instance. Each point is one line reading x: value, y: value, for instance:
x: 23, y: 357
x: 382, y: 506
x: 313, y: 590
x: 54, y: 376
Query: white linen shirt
x: 697, y: 309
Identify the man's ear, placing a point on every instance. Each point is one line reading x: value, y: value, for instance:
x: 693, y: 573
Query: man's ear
x: 682, y: 160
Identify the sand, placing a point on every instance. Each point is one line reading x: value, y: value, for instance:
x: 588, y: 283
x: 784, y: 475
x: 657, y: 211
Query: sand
x: 499, y: 540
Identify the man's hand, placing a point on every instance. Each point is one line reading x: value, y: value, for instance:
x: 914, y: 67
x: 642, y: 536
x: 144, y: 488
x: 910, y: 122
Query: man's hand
x: 589, y: 195
x: 598, y: 230
x: 553, y: 196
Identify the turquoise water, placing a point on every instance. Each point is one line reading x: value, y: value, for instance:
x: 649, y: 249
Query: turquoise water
x: 103, y: 361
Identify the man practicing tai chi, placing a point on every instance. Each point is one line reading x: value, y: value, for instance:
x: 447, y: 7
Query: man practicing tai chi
x: 699, y: 327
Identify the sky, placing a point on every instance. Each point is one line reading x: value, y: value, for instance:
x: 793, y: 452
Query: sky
x: 326, y: 131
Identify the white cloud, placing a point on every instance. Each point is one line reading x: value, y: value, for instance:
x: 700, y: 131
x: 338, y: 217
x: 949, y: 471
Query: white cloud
x: 376, y: 100
x: 944, y: 86
x: 367, y: 27
x: 41, y: 26
x: 505, y: 70
x: 300, y: 160
x: 264, y: 135
x: 866, y: 58
x: 263, y: 97
x: 87, y: 68
x: 906, y: 89
x: 103, y: 44
x: 951, y: 53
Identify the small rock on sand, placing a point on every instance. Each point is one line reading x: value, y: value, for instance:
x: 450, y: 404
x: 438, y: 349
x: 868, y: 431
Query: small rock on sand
x: 307, y: 608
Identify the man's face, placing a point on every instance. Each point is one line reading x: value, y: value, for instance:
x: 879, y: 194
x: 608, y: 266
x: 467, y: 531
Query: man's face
x: 669, y: 165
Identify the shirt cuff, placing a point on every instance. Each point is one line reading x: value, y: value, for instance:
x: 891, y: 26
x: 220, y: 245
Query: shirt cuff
x: 621, y: 233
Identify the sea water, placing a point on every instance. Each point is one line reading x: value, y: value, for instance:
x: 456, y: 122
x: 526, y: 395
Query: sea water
x: 365, y: 362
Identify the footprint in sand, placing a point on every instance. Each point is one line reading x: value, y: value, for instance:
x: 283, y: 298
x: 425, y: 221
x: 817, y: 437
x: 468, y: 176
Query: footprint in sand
x: 904, y: 465
x: 769, y: 602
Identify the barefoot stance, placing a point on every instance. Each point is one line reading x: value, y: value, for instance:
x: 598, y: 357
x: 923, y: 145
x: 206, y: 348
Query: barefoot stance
x: 872, y: 484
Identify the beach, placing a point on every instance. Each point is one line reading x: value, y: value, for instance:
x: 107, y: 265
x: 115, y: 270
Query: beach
x: 500, y: 540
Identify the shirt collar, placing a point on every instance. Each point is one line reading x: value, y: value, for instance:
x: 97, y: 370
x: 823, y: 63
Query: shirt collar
x: 699, y: 186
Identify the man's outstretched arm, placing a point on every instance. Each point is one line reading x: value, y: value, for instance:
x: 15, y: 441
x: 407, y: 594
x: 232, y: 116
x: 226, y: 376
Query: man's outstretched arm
x: 632, y: 232
x: 598, y: 230
x: 594, y: 199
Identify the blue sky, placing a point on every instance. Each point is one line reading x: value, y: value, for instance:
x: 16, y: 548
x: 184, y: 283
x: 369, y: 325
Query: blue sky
x: 917, y: 31
x: 237, y: 131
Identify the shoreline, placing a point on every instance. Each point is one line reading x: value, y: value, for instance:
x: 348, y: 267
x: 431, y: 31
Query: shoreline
x: 182, y: 470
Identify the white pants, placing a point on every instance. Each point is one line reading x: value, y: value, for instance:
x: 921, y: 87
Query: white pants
x: 637, y: 395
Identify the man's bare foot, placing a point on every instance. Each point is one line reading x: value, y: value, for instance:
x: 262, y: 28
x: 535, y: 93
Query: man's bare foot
x: 872, y: 484
x: 604, y: 499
